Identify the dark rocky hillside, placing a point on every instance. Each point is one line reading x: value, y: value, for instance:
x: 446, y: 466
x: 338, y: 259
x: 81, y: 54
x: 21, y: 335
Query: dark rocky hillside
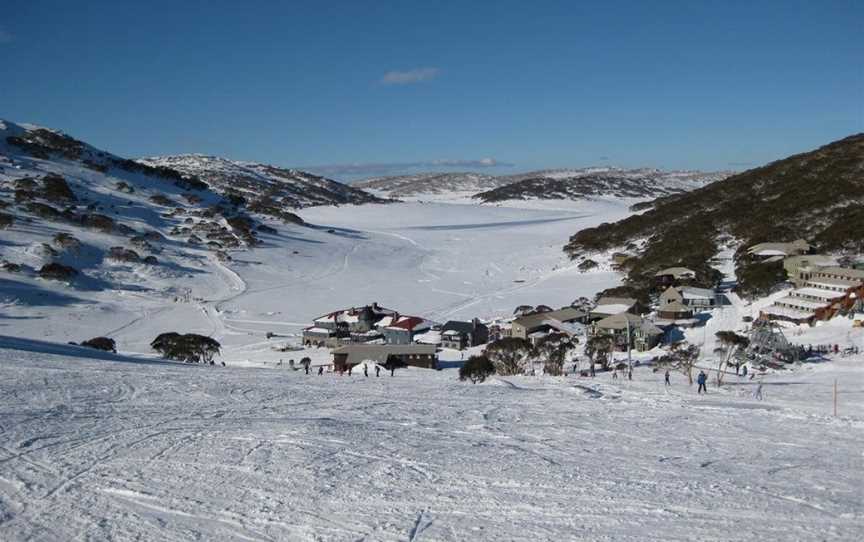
x: 263, y: 188
x: 597, y: 182
x: 817, y: 195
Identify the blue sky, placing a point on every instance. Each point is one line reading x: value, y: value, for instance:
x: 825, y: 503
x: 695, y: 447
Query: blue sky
x: 399, y: 86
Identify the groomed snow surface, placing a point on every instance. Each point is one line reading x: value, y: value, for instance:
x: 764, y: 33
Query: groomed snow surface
x: 101, y: 447
x: 119, y: 449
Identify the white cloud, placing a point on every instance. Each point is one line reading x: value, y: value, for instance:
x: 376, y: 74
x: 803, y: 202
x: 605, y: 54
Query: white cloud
x: 409, y: 77
x: 6, y: 37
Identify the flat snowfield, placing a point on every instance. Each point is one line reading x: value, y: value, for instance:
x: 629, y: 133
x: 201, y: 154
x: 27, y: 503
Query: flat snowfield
x: 124, y: 449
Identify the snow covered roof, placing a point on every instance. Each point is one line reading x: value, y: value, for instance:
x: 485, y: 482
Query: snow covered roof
x: 317, y: 330
x: 785, y: 312
x: 800, y: 302
x: 620, y: 321
x: 409, y: 323
x: 818, y: 293
x: 677, y: 272
x: 690, y: 292
x: 567, y: 314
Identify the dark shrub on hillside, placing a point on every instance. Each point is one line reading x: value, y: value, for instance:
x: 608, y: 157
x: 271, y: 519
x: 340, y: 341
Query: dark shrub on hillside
x: 151, y: 260
x: 11, y: 267
x: 191, y: 348
x: 235, y: 199
x: 123, y: 255
x: 101, y: 343
x: 43, y: 210
x: 241, y: 223
x: 154, y: 236
x: 160, y: 199
x: 67, y: 241
x: 125, y: 187
x: 56, y: 189
x: 25, y: 183
x: 757, y: 279
x: 5, y: 221
x: 193, y: 199
x: 123, y: 229
x: 587, y: 265
x: 194, y: 240
x: 95, y: 166
x: 99, y: 222
x: 22, y: 195
x: 264, y: 228
x: 476, y: 369
x: 140, y: 242
x: 56, y: 271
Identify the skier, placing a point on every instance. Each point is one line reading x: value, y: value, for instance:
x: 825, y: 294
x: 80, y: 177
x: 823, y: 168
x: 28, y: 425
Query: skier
x: 392, y: 370
x: 666, y: 378
x: 306, y: 366
x: 377, y: 371
x: 758, y: 394
x: 744, y: 371
x: 320, y: 370
x: 365, y: 370
x: 614, y: 374
x: 701, y: 380
x: 350, y: 368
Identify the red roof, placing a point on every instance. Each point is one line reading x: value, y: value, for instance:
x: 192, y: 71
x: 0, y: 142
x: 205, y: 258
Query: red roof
x: 408, y: 322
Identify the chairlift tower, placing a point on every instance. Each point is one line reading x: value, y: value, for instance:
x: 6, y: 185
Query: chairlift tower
x: 767, y: 341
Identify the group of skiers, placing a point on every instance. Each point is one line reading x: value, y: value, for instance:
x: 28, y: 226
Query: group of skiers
x: 350, y: 369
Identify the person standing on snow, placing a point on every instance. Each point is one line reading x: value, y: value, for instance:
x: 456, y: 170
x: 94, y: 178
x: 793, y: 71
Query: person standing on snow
x: 666, y: 378
x: 377, y: 371
x: 701, y: 380
x: 758, y: 394
x: 365, y: 370
x: 320, y: 370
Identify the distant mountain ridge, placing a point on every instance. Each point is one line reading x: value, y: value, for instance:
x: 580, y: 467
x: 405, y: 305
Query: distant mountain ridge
x: 574, y: 184
x: 549, y: 184
x: 285, y: 188
x: 420, y: 184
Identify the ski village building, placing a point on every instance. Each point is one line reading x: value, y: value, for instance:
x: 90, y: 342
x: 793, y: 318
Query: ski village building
x: 823, y: 293
x: 461, y: 335
x: 533, y: 327
x: 386, y: 355
x: 362, y: 325
x: 644, y: 335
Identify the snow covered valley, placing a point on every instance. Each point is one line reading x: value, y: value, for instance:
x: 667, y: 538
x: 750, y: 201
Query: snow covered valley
x: 123, y: 447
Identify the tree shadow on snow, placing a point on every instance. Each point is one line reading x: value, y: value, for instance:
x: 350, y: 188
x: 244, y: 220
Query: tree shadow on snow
x: 73, y: 351
x: 34, y: 295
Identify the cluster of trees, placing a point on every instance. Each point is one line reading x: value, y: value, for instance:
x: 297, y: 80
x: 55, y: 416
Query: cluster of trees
x: 514, y: 356
x: 191, y: 348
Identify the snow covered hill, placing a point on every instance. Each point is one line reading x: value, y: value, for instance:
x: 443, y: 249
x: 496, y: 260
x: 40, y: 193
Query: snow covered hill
x: 264, y: 185
x: 426, y: 185
x: 549, y: 184
x: 574, y: 184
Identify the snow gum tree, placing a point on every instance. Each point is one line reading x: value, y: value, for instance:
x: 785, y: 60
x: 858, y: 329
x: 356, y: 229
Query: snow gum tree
x: 476, y: 369
x: 191, y: 348
x: 552, y: 350
x: 599, y: 350
x: 510, y: 355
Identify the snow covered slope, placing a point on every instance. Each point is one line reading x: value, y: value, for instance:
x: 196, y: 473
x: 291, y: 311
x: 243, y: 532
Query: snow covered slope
x: 549, y: 184
x: 574, y: 184
x: 431, y: 185
x: 262, y: 184
x: 114, y: 449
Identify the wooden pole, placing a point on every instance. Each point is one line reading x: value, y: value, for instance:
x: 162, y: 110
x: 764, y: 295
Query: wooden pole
x: 835, y: 397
